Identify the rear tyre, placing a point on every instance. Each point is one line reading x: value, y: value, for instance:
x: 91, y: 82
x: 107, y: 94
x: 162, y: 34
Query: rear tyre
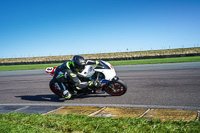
x: 116, y: 88
x: 54, y: 88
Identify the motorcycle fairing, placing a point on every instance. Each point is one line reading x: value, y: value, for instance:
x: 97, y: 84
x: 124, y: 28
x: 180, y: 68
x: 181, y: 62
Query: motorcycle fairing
x: 87, y: 72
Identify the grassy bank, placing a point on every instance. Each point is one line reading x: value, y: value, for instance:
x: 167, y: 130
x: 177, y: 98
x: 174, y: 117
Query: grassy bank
x: 23, y: 123
x: 180, y: 51
x: 26, y: 67
x: 123, y: 62
x: 156, y: 61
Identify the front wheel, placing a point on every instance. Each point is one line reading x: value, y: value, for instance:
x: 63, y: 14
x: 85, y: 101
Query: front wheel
x: 116, y: 88
x: 54, y: 88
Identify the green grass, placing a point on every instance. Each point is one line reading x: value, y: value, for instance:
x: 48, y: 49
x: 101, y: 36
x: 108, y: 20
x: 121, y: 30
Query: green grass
x: 123, y: 62
x: 26, y: 67
x: 179, y: 51
x: 157, y: 61
x: 26, y: 123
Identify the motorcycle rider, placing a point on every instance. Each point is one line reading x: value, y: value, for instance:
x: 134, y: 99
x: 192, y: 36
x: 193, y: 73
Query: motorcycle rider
x: 68, y: 71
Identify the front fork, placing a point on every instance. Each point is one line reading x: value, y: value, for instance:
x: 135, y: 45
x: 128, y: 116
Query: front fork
x: 110, y: 83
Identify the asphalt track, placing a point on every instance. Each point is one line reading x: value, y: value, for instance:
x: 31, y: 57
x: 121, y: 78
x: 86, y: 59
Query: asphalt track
x: 170, y: 86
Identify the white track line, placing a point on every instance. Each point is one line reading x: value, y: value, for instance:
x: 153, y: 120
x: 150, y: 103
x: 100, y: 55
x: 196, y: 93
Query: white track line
x: 25, y: 107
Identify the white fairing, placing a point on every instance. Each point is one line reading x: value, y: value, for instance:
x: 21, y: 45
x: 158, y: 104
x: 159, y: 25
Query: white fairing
x: 109, y: 73
x: 87, y: 72
x: 90, y: 70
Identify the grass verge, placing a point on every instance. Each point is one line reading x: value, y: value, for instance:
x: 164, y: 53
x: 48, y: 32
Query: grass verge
x: 156, y: 61
x: 26, y: 67
x: 31, y: 123
x: 179, y: 51
x: 122, y: 62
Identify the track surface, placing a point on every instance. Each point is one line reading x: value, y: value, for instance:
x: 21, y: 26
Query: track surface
x: 174, y: 85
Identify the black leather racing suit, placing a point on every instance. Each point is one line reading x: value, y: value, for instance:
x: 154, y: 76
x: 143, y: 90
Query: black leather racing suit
x: 66, y: 71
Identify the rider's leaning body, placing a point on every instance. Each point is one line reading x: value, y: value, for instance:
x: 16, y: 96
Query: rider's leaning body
x: 68, y: 71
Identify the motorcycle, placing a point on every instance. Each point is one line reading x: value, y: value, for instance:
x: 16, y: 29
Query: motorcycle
x: 104, y: 73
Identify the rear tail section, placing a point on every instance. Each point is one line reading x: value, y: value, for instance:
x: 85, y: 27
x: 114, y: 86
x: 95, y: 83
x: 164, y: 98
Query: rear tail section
x: 50, y: 70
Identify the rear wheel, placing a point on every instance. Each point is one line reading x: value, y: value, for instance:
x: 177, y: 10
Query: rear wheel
x: 116, y: 88
x: 54, y: 88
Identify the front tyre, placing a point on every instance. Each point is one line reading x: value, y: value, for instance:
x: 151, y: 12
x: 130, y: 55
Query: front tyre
x: 54, y: 88
x: 116, y: 88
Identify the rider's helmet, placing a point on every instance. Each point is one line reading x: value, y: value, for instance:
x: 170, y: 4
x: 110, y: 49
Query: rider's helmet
x: 78, y: 63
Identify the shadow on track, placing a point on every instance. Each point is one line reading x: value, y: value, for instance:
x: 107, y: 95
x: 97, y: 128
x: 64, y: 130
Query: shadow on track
x: 55, y: 98
x: 50, y: 98
x: 90, y: 96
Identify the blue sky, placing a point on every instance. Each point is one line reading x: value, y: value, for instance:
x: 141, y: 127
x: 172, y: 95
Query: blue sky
x: 62, y: 27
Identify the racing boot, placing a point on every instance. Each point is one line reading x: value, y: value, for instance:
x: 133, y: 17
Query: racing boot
x: 66, y: 94
x: 93, y: 85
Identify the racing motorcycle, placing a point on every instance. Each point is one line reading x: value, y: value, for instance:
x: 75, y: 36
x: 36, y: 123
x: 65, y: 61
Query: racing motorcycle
x: 104, y: 73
